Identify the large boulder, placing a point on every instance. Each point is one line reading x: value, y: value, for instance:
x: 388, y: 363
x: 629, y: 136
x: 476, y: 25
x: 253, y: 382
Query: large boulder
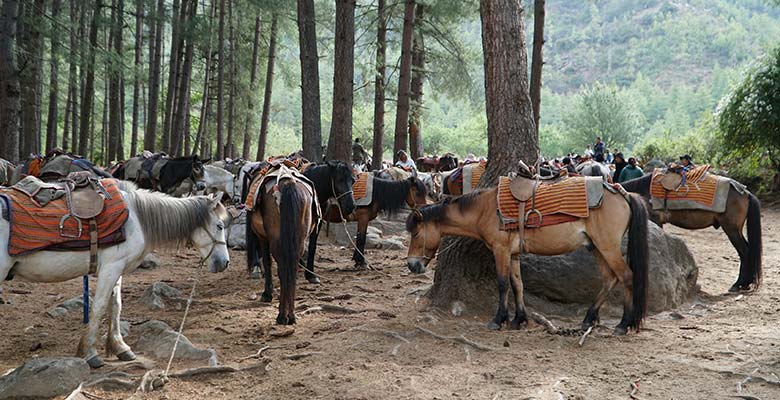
x: 155, y: 295
x: 568, y: 284
x: 156, y: 339
x: 236, y: 234
x: 44, y: 378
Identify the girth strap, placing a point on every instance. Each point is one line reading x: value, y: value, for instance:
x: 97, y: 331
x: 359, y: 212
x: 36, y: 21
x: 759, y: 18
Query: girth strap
x: 93, y: 246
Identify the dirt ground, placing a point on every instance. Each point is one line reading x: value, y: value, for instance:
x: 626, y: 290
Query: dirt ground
x: 708, y: 349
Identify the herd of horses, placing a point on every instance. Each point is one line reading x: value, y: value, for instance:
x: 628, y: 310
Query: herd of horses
x: 288, y: 207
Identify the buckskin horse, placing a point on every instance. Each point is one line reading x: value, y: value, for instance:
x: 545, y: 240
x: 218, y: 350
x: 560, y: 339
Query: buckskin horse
x: 740, y: 209
x: 388, y: 196
x: 279, y: 226
x: 475, y: 215
x: 154, y: 220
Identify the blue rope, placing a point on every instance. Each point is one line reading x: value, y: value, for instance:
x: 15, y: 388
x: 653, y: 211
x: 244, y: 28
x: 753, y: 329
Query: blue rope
x: 86, y: 299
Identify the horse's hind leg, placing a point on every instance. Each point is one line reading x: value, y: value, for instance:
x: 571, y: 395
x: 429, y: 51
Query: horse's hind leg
x: 613, y: 259
x: 503, y: 261
x: 107, y: 280
x: 739, y: 242
x: 609, y: 281
x: 520, y: 320
x: 265, y: 259
x: 115, y: 344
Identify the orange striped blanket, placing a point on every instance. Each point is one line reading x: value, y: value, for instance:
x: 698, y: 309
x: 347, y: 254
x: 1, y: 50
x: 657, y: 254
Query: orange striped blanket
x: 362, y: 189
x: 35, y: 228
x: 563, y: 201
x: 699, y: 191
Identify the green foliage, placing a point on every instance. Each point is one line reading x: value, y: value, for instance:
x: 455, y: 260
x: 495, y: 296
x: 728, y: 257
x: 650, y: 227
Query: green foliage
x: 603, y: 110
x: 703, y: 142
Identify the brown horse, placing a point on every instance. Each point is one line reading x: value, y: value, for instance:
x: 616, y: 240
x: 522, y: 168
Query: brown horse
x: 388, y: 196
x: 474, y: 215
x: 741, y: 209
x: 281, y: 230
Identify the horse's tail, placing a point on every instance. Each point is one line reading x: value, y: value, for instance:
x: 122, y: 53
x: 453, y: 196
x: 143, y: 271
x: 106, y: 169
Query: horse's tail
x: 290, y: 239
x: 638, y: 258
x: 755, y: 247
x: 251, y: 245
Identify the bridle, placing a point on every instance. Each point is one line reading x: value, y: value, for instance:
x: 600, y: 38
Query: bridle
x: 214, y: 243
x: 339, y: 196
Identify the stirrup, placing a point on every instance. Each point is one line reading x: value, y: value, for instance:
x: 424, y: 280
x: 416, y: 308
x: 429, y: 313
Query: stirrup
x: 62, y: 226
x: 528, y: 213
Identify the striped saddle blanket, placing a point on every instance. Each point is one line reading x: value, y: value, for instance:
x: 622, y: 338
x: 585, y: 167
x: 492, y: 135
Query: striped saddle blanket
x: 268, y: 179
x: 467, y: 177
x: 700, y: 191
x: 563, y: 201
x: 363, y: 188
x: 35, y: 227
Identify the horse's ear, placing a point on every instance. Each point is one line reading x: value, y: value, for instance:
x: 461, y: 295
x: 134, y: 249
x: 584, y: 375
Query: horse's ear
x: 215, y: 198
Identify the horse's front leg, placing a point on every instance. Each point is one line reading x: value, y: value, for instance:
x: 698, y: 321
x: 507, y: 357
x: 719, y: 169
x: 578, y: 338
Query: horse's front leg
x: 115, y: 344
x: 502, y: 256
x: 107, y: 280
x: 309, y: 274
x: 521, y: 320
x: 360, y: 241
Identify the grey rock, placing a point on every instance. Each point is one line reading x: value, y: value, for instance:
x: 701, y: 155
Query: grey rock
x: 391, y: 227
x: 75, y: 304
x: 151, y: 261
x: 156, y: 339
x: 373, y: 235
x: 44, y: 378
x: 392, y: 244
x: 236, y: 234
x: 457, y: 308
x: 57, y: 312
x: 154, y: 296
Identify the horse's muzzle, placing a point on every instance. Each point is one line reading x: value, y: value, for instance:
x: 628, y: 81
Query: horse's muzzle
x: 415, y: 265
x: 200, y: 185
x: 218, y: 265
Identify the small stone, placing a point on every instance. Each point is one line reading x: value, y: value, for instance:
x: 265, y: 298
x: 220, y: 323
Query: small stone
x: 36, y: 346
x: 506, y: 343
x: 57, y: 312
x: 252, y: 297
x: 457, y: 308
x: 151, y: 261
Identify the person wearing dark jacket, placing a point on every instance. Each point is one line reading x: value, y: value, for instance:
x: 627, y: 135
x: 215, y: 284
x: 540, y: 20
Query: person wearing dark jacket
x: 631, y: 171
x: 620, y: 163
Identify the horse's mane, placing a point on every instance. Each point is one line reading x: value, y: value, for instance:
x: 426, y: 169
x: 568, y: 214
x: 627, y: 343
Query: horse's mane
x: 168, y: 220
x: 438, y: 211
x: 391, y: 195
x: 639, y: 185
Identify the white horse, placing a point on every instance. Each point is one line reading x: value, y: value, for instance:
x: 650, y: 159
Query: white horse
x: 219, y: 180
x: 155, y: 220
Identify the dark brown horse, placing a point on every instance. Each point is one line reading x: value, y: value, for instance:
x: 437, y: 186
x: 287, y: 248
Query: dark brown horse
x: 388, y: 196
x: 741, y: 209
x: 280, y: 231
x: 474, y: 215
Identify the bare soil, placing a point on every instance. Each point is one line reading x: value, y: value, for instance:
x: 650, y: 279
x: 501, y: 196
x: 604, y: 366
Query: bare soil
x: 719, y: 346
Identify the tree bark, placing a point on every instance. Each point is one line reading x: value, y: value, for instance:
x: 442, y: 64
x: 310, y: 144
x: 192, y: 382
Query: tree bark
x: 418, y: 76
x: 10, y: 91
x: 116, y: 103
x: 340, y: 141
x: 379, y: 86
x: 31, y: 45
x: 537, y: 61
x: 221, y: 83
x: 310, y: 82
x: 67, y: 127
x: 155, y: 59
x: 87, y: 103
x: 466, y: 271
x: 180, y: 126
x: 269, y: 80
x: 71, y: 107
x: 138, y: 54
x: 230, y: 146
x: 404, y: 81
x: 51, y: 123
x: 173, y: 75
x: 252, y: 87
x: 205, y: 105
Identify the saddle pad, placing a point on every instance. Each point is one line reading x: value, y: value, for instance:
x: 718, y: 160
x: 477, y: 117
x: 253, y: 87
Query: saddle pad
x: 563, y: 201
x: 264, y: 178
x: 35, y: 228
x: 471, y: 174
x: 363, y: 188
x: 710, y: 193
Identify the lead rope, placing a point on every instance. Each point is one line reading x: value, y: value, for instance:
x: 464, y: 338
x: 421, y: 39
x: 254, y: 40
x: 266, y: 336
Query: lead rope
x: 344, y: 224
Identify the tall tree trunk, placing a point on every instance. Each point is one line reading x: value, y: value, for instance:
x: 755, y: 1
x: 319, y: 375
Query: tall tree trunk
x: 404, y: 81
x: 252, y: 87
x: 87, y: 103
x: 339, y: 143
x: 180, y: 125
x: 206, y: 85
x: 173, y: 75
x: 155, y: 60
x: 31, y: 46
x: 269, y: 81
x: 116, y: 103
x: 537, y: 61
x: 10, y: 91
x: 66, y: 128
x: 310, y: 82
x: 379, y: 86
x: 138, y: 55
x: 221, y: 83
x: 468, y: 266
x: 51, y: 123
x: 71, y: 108
x: 230, y: 146
x: 418, y: 76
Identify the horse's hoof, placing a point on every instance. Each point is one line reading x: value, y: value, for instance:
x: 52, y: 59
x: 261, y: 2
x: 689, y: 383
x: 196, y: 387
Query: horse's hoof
x: 493, y: 326
x: 313, y: 279
x: 255, y: 274
x: 519, y: 325
x: 736, y: 288
x: 619, y: 331
x: 266, y: 298
x: 585, y: 326
x: 126, y: 356
x: 95, y: 362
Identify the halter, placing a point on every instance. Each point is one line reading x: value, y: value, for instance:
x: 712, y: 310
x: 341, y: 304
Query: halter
x: 333, y: 188
x: 214, y: 243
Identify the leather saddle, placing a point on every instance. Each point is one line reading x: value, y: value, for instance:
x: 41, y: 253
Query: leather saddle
x: 523, y: 186
x: 86, y: 195
x: 671, y: 179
